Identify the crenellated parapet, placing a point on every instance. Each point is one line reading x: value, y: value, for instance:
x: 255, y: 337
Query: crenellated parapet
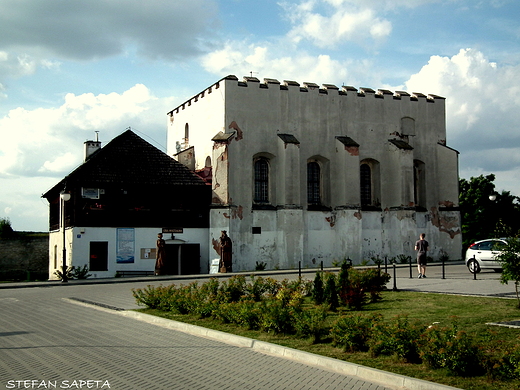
x: 305, y: 87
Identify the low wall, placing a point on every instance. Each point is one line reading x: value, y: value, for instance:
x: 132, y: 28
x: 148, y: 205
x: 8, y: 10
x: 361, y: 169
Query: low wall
x: 24, y: 252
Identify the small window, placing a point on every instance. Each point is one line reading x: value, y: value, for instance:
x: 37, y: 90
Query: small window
x: 313, y: 183
x: 261, y: 181
x: 365, y: 184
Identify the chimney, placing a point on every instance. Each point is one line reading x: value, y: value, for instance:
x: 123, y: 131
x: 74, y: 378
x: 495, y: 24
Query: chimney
x: 91, y: 147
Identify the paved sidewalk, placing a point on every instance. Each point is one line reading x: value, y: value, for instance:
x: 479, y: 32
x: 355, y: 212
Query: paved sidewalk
x: 85, y: 330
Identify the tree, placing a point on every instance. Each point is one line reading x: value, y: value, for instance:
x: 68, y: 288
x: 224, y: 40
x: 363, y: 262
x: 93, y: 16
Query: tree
x: 5, y: 228
x: 484, y: 218
x: 509, y: 257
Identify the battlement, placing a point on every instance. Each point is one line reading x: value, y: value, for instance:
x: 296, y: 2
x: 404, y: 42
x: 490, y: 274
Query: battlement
x: 326, y: 89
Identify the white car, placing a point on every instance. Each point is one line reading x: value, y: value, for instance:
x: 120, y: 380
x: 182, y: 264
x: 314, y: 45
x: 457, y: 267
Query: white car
x: 482, y: 255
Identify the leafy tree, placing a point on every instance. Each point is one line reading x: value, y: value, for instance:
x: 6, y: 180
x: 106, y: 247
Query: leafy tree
x: 484, y: 218
x: 5, y: 227
x: 509, y: 256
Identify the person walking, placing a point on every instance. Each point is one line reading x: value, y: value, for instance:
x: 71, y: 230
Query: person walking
x: 421, y: 246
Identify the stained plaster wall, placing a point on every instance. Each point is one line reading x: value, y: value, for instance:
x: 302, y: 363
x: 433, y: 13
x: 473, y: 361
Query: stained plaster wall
x: 254, y: 114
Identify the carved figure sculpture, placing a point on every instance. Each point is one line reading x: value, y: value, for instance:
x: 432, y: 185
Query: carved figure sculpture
x: 226, y: 250
x: 160, y: 261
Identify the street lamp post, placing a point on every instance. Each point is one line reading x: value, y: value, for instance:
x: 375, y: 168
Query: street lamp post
x: 64, y: 197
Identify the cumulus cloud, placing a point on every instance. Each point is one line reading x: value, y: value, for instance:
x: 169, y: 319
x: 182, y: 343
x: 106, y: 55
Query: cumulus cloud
x: 268, y: 61
x: 49, y: 141
x: 328, y: 23
x: 482, y: 112
x: 43, y: 145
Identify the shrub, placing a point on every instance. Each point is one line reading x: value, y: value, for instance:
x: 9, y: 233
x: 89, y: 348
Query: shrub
x: 235, y: 286
x: 310, y: 322
x: 59, y: 273
x: 373, y: 281
x: 352, y: 332
x: 398, y: 337
x: 260, y: 266
x: 275, y: 317
x: 330, y: 294
x: 317, y: 291
x: 80, y: 272
x: 256, y: 289
x: 403, y: 259
x: 451, y: 349
x: 344, y: 283
x: 506, y: 366
x: 154, y: 297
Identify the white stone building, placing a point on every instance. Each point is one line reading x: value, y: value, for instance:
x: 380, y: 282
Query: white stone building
x: 319, y: 173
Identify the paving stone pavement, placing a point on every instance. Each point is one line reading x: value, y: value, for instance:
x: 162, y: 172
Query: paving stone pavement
x: 46, y: 340
x: 49, y: 338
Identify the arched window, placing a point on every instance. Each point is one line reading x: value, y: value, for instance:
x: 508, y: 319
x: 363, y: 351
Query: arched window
x: 186, y: 139
x: 369, y: 184
x: 419, y: 184
x: 313, y: 183
x: 261, y: 181
x: 365, y: 175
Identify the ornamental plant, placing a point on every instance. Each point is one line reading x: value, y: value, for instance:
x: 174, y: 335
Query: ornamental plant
x: 447, y: 347
x: 353, y: 332
x: 398, y: 337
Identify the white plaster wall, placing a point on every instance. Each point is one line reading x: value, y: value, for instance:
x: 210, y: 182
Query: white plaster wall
x: 291, y: 233
x: 78, y: 252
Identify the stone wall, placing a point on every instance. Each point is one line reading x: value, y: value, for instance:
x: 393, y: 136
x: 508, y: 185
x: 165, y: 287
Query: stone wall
x: 23, y: 253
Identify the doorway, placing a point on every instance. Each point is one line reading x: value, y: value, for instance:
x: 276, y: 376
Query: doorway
x: 182, y: 259
x: 98, y: 257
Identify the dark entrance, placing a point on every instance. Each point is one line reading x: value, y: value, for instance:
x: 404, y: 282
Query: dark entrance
x: 98, y: 256
x: 182, y: 259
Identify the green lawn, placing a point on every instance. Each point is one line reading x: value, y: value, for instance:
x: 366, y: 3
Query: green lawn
x: 470, y: 313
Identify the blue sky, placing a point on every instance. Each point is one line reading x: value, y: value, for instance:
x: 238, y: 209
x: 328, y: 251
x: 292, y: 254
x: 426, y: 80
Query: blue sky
x: 71, y: 68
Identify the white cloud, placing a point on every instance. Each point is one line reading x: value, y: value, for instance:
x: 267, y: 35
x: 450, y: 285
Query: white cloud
x: 41, y: 146
x: 327, y: 26
x: 270, y: 61
x: 50, y: 141
x: 482, y: 109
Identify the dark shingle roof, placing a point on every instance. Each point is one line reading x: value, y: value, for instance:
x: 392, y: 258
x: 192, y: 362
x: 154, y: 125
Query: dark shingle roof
x: 129, y: 160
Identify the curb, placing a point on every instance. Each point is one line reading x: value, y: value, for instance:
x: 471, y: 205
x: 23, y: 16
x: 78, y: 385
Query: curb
x: 396, y: 381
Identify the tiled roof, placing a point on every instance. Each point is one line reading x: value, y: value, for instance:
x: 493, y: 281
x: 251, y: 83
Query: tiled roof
x: 129, y: 160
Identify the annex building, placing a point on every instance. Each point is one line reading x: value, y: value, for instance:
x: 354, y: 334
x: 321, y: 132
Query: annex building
x: 310, y: 173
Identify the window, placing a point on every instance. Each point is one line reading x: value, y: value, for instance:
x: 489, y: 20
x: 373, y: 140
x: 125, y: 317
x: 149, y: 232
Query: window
x: 419, y: 184
x: 369, y: 184
x: 366, y: 184
x: 261, y: 181
x: 313, y: 183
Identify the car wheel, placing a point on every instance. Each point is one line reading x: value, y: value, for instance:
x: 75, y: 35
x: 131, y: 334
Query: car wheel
x: 473, y: 267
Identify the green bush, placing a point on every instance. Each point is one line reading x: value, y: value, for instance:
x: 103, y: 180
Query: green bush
x: 275, y: 317
x: 310, y: 322
x: 318, y: 291
x: 397, y: 338
x: 353, y: 332
x: 330, y: 294
x: 449, y: 348
x: 154, y: 297
x: 235, y: 286
x: 80, y: 272
x: 506, y: 366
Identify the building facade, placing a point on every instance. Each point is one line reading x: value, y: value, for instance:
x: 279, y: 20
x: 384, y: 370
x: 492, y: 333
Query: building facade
x: 119, y: 199
x: 302, y: 172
